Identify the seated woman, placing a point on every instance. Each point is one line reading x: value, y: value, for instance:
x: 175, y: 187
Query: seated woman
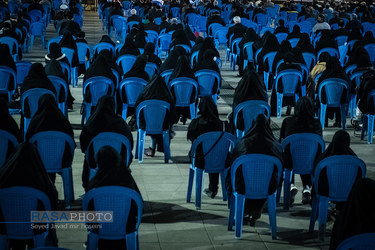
x: 327, y: 40
x: 207, y: 121
x: 105, y: 39
x: 25, y: 168
x: 296, y: 33
x: 139, y: 35
x: 129, y: 47
x: 56, y: 54
x: 157, y: 89
x: 366, y: 105
x: 9, y: 125
x: 305, y: 45
x: 103, y: 119
x: 258, y: 140
x: 53, y: 68
x: 6, y: 59
x: 67, y: 41
x: 48, y: 117
x: 316, y: 71
x: 333, y: 70
x: 340, y: 145
x: 198, y: 44
x: 271, y: 45
x: 303, y: 121
x: 250, y: 36
x: 250, y: 87
x: 207, y: 44
x: 285, y: 47
x: 357, y: 216
x: 179, y: 37
x: 150, y: 53
x: 183, y: 69
x: 171, y: 60
x: 112, y: 173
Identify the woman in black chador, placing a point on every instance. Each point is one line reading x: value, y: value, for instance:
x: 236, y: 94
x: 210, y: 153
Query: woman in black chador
x: 171, y: 60
x: 207, y: 121
x: 249, y: 87
x: 103, y: 119
x: 258, y: 140
x: 157, y: 89
x: 250, y: 36
x: 207, y: 61
x: 340, y: 145
x: 207, y: 44
x: 183, y: 69
x: 112, y: 173
x: 303, y: 121
x: 150, y: 53
x: 138, y: 69
x: 271, y: 45
x: 68, y: 41
x: 25, y: 168
x: 357, y: 216
x: 179, y: 37
x: 48, y: 117
x: 129, y: 47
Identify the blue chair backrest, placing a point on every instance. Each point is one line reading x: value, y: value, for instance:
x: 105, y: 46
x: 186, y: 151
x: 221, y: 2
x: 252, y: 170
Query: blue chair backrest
x: 126, y: 62
x: 250, y: 110
x: 112, y: 139
x: 32, y: 97
x: 350, y: 69
x: 341, y: 173
x: 152, y: 36
x: 69, y: 53
x: 53, y: 40
x: 23, y: 68
x: 82, y: 49
x: 331, y: 52
x: 164, y: 41
x: 206, y: 80
x: 37, y: 28
x: 119, y: 23
x: 201, y: 23
x: 248, y: 51
x: 117, y: 199
x: 11, y: 42
x: 370, y: 48
x: 310, y: 59
x: 51, y: 147
x: 303, y: 149
x: 5, y: 138
x: 290, y: 78
x: 126, y: 5
x: 35, y: 15
x: 356, y: 77
x: 166, y: 74
x: 281, y: 36
x: 292, y: 16
x: 175, y: 11
x: 133, y: 88
x: 341, y: 40
x: 187, y: 48
x: 99, y: 86
x: 221, y: 35
x: 265, y: 29
x: 16, y: 206
x: 129, y: 25
x: 213, y: 26
x: 261, y: 19
x: 183, y: 89
x: 270, y: 56
x: 257, y: 170
x: 334, y: 89
x: 216, y: 146
x: 151, y: 69
x: 5, y: 74
x: 365, y: 241
x: 293, y: 42
x: 154, y: 112
x: 102, y: 46
x: 194, y: 58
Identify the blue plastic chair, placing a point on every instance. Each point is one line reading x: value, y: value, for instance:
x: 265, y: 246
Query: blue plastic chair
x: 341, y: 174
x: 112, y: 139
x: 310, y: 59
x: 35, y: 15
x: 16, y: 206
x: 32, y: 96
x: 117, y: 199
x: 133, y: 87
x: 248, y: 51
x: 66, y: 70
x: 154, y: 112
x: 206, y: 79
x: 234, y: 56
x: 201, y: 24
x: 183, y: 88
x: 126, y: 62
x: 126, y: 5
x: 102, y: 46
x: 220, y: 36
x: 257, y: 170
x: 365, y: 241
x: 370, y: 48
x: 23, y: 68
x: 163, y: 43
x: 261, y: 19
x: 51, y: 147
x: 290, y: 80
x: 331, y: 52
x: 37, y: 29
x: 69, y: 53
x: 370, y: 120
x: 5, y: 77
x: 250, y: 110
x: 334, y: 89
x: 303, y: 150
x: 12, y: 43
x: 119, y: 25
x: 166, y: 74
x: 152, y: 36
x: 216, y: 146
x: 356, y: 79
x: 53, y: 40
x: 187, y: 48
x: 194, y: 58
x: 293, y: 42
x: 5, y: 138
x: 60, y: 83
x: 151, y: 69
x: 82, y: 49
x: 270, y: 56
x: 99, y: 86
x: 341, y: 40
x: 129, y: 25
x: 212, y: 28
x: 281, y: 36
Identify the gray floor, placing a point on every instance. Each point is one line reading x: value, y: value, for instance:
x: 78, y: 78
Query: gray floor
x: 168, y: 221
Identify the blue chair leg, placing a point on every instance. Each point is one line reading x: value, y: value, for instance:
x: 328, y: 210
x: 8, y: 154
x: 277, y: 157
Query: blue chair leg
x: 287, y: 181
x: 314, y: 211
x: 271, y: 203
x: 67, y: 177
x: 141, y: 142
x: 343, y: 110
x: 131, y: 240
x: 124, y: 111
x: 239, y: 210
x: 199, y: 175
x: 3, y: 242
x: 223, y: 190
x: 92, y: 241
x: 370, y: 128
x: 364, y: 127
x: 323, y: 211
x: 190, y: 184
x: 322, y: 116
x: 166, y: 146
x: 231, y: 212
x: 279, y: 103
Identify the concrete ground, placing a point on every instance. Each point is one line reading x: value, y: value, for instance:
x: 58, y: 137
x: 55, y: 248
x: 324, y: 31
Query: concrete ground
x: 168, y: 221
